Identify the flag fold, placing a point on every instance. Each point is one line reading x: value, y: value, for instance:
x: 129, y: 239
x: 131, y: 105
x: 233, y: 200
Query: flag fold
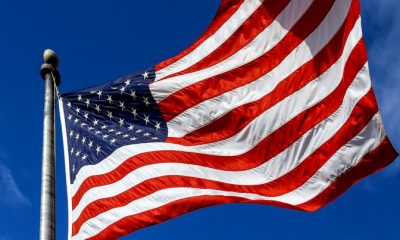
x: 272, y: 104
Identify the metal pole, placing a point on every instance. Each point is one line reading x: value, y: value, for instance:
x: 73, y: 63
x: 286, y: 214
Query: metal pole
x: 50, y: 75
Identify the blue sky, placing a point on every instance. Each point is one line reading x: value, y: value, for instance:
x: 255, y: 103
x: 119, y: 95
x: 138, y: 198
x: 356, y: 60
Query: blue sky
x: 100, y: 40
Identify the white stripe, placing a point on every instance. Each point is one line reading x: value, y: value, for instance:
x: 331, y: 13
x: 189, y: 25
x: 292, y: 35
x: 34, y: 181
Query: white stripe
x: 213, y: 42
x: 267, y: 172
x: 220, y: 148
x: 265, y: 41
x: 66, y: 160
x: 347, y: 156
x: 212, y: 109
x: 240, y: 143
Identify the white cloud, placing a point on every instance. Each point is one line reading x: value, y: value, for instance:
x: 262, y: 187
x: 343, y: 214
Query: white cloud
x: 381, y: 25
x: 10, y: 194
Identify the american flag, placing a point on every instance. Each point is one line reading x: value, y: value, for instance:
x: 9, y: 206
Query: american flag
x: 272, y: 104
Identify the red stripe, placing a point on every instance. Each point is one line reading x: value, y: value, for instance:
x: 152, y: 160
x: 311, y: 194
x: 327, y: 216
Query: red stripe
x: 266, y: 149
x: 382, y: 156
x: 253, y: 26
x: 376, y: 160
x: 235, y: 120
x: 216, y: 85
x: 155, y: 216
x: 359, y: 118
x: 135, y: 222
x: 225, y: 11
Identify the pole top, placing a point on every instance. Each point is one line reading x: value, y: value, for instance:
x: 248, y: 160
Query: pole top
x: 50, y: 57
x: 49, y: 66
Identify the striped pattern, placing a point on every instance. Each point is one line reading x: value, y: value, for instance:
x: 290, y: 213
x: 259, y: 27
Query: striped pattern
x: 273, y: 104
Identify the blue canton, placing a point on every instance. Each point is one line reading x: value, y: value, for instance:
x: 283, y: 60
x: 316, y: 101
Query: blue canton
x: 101, y: 119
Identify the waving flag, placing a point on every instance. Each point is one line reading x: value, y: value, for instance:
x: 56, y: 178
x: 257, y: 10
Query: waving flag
x: 272, y: 104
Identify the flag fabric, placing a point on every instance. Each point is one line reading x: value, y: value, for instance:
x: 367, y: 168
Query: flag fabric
x: 272, y: 104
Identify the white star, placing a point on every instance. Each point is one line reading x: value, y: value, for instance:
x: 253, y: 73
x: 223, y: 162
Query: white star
x: 90, y: 144
x: 97, y: 132
x: 87, y: 102
x: 105, y: 136
x: 83, y: 140
x: 73, y: 168
x: 77, y: 153
x: 145, y: 75
x: 122, y: 90
x: 97, y: 108
x: 109, y: 114
x: 86, y: 115
x: 133, y: 139
x: 139, y: 131
x: 146, y: 119
x: 69, y: 117
x: 118, y: 133
x: 69, y: 104
x: 84, y: 157
x: 157, y: 126
x: 134, y: 112
x: 122, y: 105
x: 95, y: 122
x: 104, y: 127
x: 154, y: 138
x: 146, y: 134
x: 77, y: 137
x: 76, y: 120
x: 133, y: 94
x: 90, y: 128
x: 109, y: 99
x: 72, y: 151
x: 98, y: 149
x: 125, y: 136
x: 83, y: 124
x: 130, y: 127
x: 113, y: 140
x: 99, y: 93
x: 71, y: 134
x: 146, y: 101
x: 121, y: 122
x: 77, y: 110
x: 111, y: 130
x: 80, y: 98
x: 127, y: 82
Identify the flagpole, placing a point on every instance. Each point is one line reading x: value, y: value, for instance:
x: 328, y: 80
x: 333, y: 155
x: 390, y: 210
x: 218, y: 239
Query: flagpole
x: 51, y: 77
